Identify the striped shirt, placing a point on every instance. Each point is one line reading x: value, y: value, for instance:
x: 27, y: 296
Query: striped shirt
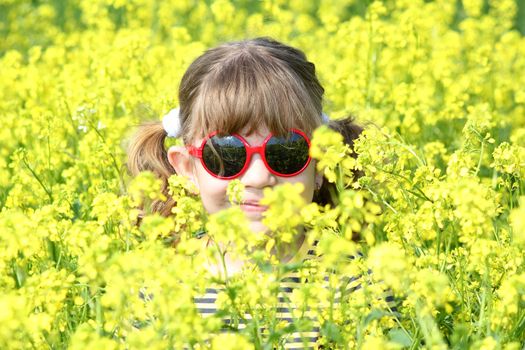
x: 206, y: 305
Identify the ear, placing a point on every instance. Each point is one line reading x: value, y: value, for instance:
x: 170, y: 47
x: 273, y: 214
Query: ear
x: 182, y: 162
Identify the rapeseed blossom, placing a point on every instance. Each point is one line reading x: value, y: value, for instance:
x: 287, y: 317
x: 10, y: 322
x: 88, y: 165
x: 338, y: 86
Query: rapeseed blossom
x: 428, y: 209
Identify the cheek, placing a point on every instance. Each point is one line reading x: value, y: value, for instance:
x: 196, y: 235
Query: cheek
x: 309, y: 182
x: 212, y: 190
x: 307, y: 178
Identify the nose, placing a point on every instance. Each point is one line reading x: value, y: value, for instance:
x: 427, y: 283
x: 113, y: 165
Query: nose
x: 257, y: 175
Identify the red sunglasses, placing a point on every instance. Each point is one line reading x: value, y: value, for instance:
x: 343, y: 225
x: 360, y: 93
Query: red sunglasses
x: 227, y: 157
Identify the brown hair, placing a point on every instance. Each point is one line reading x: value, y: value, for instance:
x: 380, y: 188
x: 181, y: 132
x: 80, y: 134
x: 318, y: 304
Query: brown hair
x: 248, y: 84
x: 238, y: 85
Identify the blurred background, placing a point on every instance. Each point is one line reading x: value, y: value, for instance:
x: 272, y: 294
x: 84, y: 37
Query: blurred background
x: 24, y: 23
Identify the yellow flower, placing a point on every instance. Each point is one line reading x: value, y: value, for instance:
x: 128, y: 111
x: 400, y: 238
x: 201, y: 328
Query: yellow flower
x: 388, y: 263
x: 231, y: 342
x: 517, y: 221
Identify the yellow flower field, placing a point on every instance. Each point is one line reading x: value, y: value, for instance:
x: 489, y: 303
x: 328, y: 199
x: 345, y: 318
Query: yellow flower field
x: 440, y: 208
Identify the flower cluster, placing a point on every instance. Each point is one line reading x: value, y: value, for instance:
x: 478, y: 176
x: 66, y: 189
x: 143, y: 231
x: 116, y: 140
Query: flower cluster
x: 423, y: 247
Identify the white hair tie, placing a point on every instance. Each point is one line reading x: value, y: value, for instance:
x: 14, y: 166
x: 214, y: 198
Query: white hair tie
x: 325, y: 118
x: 171, y: 123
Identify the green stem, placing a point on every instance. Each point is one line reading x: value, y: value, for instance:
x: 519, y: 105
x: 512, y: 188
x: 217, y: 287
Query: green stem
x: 480, y: 158
x: 422, y: 194
x: 486, y: 285
x: 223, y: 261
x: 48, y: 192
x: 382, y: 200
x: 114, y: 161
x: 410, y: 150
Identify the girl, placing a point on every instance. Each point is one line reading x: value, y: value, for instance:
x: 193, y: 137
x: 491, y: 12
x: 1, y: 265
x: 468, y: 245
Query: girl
x: 247, y: 112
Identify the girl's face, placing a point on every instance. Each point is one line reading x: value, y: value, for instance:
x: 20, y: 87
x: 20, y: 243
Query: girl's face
x: 255, y: 179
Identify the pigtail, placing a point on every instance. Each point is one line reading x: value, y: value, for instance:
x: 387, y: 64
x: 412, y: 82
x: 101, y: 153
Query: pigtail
x: 146, y: 151
x: 348, y: 128
x: 350, y: 131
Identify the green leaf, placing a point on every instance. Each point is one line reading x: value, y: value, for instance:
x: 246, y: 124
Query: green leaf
x: 400, y: 337
x: 332, y: 332
x: 375, y: 314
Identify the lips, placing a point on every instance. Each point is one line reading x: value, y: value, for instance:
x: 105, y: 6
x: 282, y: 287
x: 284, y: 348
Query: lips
x: 252, y: 206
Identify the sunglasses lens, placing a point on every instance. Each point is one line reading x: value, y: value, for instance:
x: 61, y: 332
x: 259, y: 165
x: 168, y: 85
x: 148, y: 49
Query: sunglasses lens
x: 287, y: 155
x: 224, y: 156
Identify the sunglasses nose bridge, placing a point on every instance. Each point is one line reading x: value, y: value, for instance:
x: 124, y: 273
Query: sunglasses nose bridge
x: 251, y: 150
x: 258, y: 149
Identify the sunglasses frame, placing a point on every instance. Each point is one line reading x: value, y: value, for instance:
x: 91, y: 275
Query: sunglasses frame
x: 250, y: 151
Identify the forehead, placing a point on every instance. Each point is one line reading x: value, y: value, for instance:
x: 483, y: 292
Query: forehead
x: 255, y: 130
x: 250, y: 96
x: 254, y: 137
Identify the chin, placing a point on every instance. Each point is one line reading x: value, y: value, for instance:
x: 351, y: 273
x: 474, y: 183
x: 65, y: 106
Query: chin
x: 257, y: 226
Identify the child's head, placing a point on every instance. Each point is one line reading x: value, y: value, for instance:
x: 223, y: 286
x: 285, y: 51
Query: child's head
x: 247, y: 85
x: 255, y: 89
